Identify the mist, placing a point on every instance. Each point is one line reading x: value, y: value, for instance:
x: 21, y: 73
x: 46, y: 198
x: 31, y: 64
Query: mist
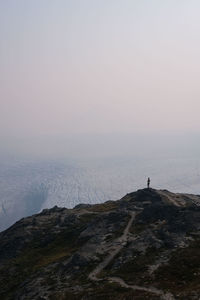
x: 87, y: 68
x: 96, y: 96
x: 94, y: 146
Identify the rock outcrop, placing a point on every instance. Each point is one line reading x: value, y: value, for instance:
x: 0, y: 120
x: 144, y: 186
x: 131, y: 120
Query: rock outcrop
x: 144, y: 246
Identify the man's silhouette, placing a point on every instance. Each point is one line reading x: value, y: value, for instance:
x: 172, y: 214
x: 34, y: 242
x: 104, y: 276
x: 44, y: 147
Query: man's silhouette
x: 148, y: 182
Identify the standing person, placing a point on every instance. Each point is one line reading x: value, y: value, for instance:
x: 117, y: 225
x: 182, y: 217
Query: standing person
x: 148, y: 182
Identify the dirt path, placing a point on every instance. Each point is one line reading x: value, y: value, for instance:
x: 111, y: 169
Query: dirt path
x: 170, y: 199
x: 120, y: 243
x: 151, y: 290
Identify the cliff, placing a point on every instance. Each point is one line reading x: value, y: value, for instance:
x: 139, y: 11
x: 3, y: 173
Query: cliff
x: 144, y: 246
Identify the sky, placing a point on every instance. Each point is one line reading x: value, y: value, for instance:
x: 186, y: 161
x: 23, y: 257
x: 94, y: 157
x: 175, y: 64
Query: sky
x: 73, y: 67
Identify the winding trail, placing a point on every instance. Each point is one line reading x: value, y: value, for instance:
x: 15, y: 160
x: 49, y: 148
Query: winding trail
x: 119, y: 244
x: 151, y: 290
x: 170, y: 199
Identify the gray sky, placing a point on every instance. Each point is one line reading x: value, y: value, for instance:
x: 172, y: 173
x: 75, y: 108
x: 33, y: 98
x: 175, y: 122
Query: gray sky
x: 88, y: 66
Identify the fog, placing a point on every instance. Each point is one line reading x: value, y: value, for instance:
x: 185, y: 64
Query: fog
x: 95, y: 96
x: 38, y: 173
x: 89, y: 67
x: 94, y: 146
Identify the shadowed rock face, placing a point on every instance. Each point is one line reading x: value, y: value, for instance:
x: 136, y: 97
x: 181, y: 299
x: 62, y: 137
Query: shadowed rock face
x: 146, y: 245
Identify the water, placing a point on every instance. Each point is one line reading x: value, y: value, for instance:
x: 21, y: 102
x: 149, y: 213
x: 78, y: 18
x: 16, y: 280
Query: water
x: 26, y: 187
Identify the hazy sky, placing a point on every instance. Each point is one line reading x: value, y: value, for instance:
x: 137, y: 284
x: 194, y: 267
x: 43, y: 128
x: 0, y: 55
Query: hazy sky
x: 98, y: 66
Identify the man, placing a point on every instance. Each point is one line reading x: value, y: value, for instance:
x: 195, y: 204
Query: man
x: 148, y: 182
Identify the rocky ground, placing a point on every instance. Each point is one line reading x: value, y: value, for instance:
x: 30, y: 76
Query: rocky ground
x: 144, y: 246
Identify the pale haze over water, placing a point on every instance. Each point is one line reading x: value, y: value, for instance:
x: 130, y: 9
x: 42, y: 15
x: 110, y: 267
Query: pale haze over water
x: 71, y: 66
x: 106, y: 90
